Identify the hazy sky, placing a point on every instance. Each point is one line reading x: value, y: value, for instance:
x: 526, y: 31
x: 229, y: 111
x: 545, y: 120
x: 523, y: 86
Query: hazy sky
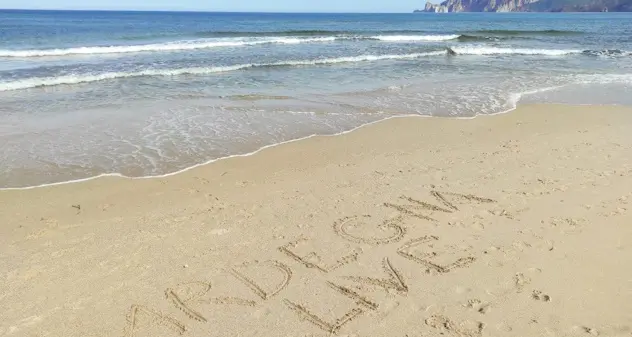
x: 225, y: 5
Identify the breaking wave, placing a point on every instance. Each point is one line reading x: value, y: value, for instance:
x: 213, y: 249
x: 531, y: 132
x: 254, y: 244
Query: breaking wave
x: 158, y: 47
x: 480, y: 50
x: 405, y: 38
x: 76, y: 79
x: 273, y: 33
x: 224, y: 42
x: 608, y: 53
x: 546, y: 32
x: 480, y: 38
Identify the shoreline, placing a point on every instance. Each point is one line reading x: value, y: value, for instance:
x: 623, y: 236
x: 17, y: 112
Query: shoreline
x: 211, y: 161
x: 512, y: 99
x: 411, y: 227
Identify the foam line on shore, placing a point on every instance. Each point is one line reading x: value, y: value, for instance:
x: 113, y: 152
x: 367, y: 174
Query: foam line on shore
x: 513, y: 99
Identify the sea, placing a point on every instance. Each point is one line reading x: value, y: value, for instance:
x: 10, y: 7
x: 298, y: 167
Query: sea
x: 142, y: 94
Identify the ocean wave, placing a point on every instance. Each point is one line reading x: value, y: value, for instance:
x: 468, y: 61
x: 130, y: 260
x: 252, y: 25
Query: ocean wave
x: 308, y: 33
x: 404, y: 38
x: 158, y: 47
x: 479, y: 38
x: 87, y: 78
x: 481, y: 50
x: 607, y: 53
x: 76, y: 79
x: 216, y: 43
x: 546, y: 32
x: 273, y: 33
x: 359, y: 34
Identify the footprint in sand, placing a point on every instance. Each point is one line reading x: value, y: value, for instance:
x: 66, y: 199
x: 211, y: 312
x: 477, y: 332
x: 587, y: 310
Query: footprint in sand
x: 539, y: 296
x: 448, y: 327
x: 520, y: 281
x: 591, y: 331
x: 568, y: 225
x: 478, y: 305
x: 585, y: 331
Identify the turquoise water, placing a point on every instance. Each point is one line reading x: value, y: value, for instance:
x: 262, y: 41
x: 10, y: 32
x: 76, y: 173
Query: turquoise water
x: 150, y: 93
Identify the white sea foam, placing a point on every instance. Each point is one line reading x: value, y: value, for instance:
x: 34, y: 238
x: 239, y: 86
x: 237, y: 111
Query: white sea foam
x: 76, y: 79
x: 604, y: 79
x: 404, y: 38
x: 160, y: 47
x: 86, y: 78
x: 205, y: 44
x: 480, y: 50
x: 361, y: 58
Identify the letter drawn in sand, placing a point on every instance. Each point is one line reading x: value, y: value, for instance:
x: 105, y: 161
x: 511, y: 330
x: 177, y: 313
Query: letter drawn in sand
x: 416, y: 207
x: 330, y: 327
x: 257, y: 288
x: 360, y: 300
x: 333, y: 327
x: 425, y: 258
x: 186, y: 294
x: 341, y: 227
x: 442, y: 197
x: 395, y: 280
x: 230, y: 300
x: 313, y: 260
x: 139, y: 317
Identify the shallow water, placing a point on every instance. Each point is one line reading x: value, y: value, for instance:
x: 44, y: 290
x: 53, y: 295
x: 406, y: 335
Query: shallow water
x: 88, y: 93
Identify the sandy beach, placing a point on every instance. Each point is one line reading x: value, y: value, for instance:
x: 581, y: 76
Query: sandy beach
x: 510, y: 225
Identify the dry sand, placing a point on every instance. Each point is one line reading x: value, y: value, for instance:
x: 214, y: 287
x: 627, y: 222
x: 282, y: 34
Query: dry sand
x: 510, y: 225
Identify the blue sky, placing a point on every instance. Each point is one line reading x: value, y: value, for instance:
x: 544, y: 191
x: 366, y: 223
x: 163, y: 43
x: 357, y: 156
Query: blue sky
x: 225, y: 5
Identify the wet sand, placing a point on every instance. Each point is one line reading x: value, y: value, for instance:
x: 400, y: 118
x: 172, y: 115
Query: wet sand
x: 507, y: 225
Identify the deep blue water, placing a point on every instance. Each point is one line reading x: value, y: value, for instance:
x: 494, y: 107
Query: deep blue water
x: 147, y: 93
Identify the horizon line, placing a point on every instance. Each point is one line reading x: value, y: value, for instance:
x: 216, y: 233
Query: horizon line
x: 187, y: 11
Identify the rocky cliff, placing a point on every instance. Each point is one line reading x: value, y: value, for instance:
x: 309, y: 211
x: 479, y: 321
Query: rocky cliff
x: 479, y: 6
x: 449, y: 6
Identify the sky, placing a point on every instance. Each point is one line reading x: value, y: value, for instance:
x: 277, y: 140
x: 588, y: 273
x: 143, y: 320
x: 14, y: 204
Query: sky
x: 383, y: 6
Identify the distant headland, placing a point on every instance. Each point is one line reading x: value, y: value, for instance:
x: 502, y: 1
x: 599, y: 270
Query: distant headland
x: 449, y: 6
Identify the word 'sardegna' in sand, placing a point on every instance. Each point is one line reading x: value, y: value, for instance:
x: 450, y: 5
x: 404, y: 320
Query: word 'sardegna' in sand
x: 194, y: 298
